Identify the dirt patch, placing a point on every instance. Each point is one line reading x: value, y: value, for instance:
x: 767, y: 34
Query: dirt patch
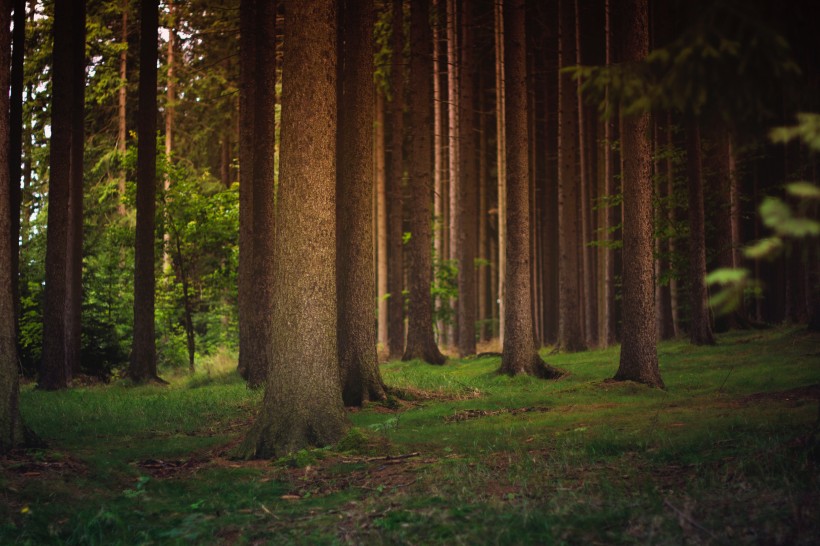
x: 36, y: 464
x: 466, y: 415
x: 810, y: 392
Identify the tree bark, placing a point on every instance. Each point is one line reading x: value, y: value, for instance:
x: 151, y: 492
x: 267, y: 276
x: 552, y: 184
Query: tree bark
x: 639, y: 358
x: 12, y: 433
x: 15, y: 153
x: 303, y: 403
x: 356, y: 333
x: 395, y: 194
x: 421, y: 343
x: 122, y: 94
x: 170, y: 108
x: 454, y: 149
x: 501, y: 164
x: 143, y: 353
x: 570, y: 330
x: 700, y: 325
x: 519, y: 354
x: 380, y: 167
x: 55, y: 370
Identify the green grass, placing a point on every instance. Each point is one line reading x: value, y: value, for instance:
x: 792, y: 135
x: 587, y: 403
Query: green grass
x: 728, y: 454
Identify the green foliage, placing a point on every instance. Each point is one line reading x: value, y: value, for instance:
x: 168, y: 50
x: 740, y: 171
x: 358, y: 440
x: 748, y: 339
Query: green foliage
x: 444, y: 289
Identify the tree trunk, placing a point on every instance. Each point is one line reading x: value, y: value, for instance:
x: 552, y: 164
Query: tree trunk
x: 303, y: 403
x: 421, y: 343
x: 380, y: 167
x: 663, y: 292
x: 608, y: 321
x: 454, y: 149
x: 519, y: 353
x: 467, y: 203
x: 11, y: 425
x: 570, y: 331
x: 143, y: 353
x: 170, y: 107
x: 639, y: 357
x: 74, y: 252
x: 245, y: 283
x: 483, y: 314
x: 55, y: 372
x: 395, y: 197
x: 501, y: 164
x: 439, y: 148
x: 700, y: 326
x: 356, y: 333
x: 15, y: 152
x: 122, y: 94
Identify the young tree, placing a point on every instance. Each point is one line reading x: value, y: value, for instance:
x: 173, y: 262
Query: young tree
x: 519, y: 354
x: 11, y: 424
x: 420, y: 341
x: 143, y: 351
x: 303, y: 403
x: 69, y: 32
x: 639, y: 357
x: 361, y: 381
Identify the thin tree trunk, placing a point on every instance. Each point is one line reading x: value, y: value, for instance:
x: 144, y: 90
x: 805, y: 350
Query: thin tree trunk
x: 421, y: 343
x: 663, y: 292
x: 143, y: 353
x: 570, y: 330
x: 380, y: 168
x: 454, y: 149
x: 170, y: 108
x: 484, y: 258
x: 501, y: 164
x: 639, y: 358
x: 395, y: 194
x: 700, y: 325
x: 303, y: 403
x: 519, y: 354
x: 122, y: 93
x: 15, y: 151
x: 356, y: 332
x: 608, y: 312
x: 438, y: 152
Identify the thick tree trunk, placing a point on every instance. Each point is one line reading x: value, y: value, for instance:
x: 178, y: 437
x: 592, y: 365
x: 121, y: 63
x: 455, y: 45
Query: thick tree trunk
x: 395, y: 194
x: 570, y: 330
x: 55, y: 372
x: 700, y: 325
x: 421, y: 343
x: 12, y: 433
x: 143, y: 353
x: 467, y: 202
x: 122, y: 94
x: 303, y: 403
x: 519, y: 354
x: 501, y: 164
x: 74, y: 252
x: 356, y: 333
x: 639, y: 357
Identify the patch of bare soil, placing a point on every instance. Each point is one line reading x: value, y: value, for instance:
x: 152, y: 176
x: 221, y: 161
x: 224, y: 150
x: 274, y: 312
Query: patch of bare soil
x: 466, y: 415
x: 23, y: 466
x: 810, y: 392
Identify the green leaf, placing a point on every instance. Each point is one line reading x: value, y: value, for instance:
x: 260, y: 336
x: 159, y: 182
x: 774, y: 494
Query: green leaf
x: 764, y: 248
x: 727, y: 275
x: 774, y: 212
x: 803, y: 190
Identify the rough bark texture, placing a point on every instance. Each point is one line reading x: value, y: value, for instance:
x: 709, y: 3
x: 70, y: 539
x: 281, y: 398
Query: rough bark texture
x: 420, y: 341
x: 639, y: 357
x: 356, y: 333
x: 380, y: 168
x: 55, y: 372
x: 519, y: 355
x: 700, y: 325
x: 11, y: 425
x: 395, y: 189
x: 570, y: 331
x: 303, y: 403
x: 501, y: 165
x: 18, y: 40
x: 263, y: 182
x: 245, y: 284
x: 143, y: 353
x: 467, y: 205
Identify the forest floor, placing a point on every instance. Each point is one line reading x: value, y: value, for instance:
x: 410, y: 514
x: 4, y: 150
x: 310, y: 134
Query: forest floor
x: 728, y: 454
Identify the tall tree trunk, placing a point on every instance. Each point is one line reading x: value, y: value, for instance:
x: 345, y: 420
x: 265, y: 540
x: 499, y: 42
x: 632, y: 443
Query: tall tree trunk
x: 356, y: 333
x: 15, y: 151
x: 639, y: 357
x: 395, y: 194
x: 484, y: 258
x: 264, y: 148
x: 11, y: 424
x: 122, y: 94
x: 170, y: 108
x: 663, y: 292
x: 421, y: 343
x: 570, y: 331
x: 74, y: 252
x: 467, y: 202
x: 454, y: 149
x: 519, y: 354
x: 143, y: 352
x: 439, y: 168
x: 54, y: 370
x: 247, y: 94
x: 303, y: 403
x: 700, y: 325
x: 608, y: 320
x: 380, y: 168
x: 501, y: 163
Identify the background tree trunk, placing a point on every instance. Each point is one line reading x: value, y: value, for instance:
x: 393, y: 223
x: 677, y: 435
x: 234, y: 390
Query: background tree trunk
x: 639, y: 357
x: 122, y: 94
x: 519, y: 354
x: 143, y: 352
x: 501, y: 164
x: 15, y: 152
x: 356, y: 334
x: 170, y: 108
x: 380, y: 168
x: 421, y: 343
x: 303, y: 403
x: 454, y: 149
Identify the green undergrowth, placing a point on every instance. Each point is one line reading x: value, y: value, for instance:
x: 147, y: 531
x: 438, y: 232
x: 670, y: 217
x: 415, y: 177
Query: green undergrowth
x: 726, y: 454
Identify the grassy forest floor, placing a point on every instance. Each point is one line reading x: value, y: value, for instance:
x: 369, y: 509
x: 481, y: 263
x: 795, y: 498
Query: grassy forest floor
x: 727, y: 455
